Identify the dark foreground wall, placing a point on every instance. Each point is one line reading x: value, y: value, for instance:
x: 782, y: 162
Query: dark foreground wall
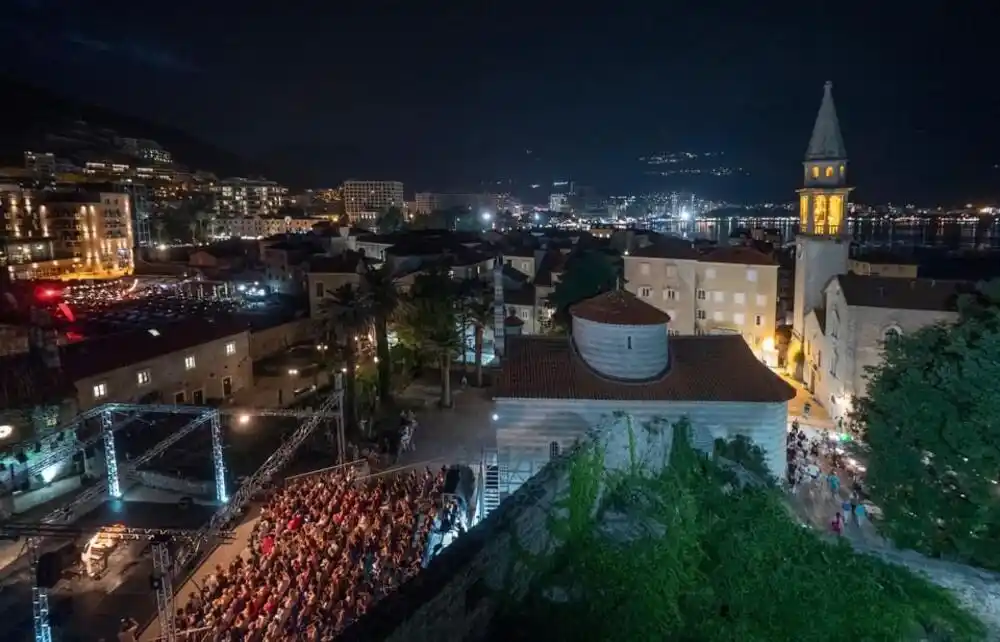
x: 455, y: 597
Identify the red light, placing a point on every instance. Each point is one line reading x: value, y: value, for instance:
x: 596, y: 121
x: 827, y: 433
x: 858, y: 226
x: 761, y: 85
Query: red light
x: 48, y: 293
x: 67, y: 312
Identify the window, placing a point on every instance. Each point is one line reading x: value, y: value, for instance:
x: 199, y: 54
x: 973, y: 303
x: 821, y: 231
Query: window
x: 738, y: 318
x: 319, y: 289
x: 758, y: 320
x: 669, y: 295
x: 525, y: 314
x: 761, y: 299
x: 710, y: 273
x: 829, y: 172
x: 189, y: 362
x: 645, y: 292
x: 815, y: 172
x: 630, y: 343
x: 717, y: 316
x: 700, y: 315
x: 553, y: 450
x: 673, y: 333
x: 719, y: 296
x: 101, y: 390
x: 525, y: 266
x: 841, y: 170
x: 231, y: 348
x: 752, y: 276
x: 671, y: 271
x: 644, y: 269
x: 739, y: 298
x: 700, y: 294
x: 179, y: 397
x: 142, y: 377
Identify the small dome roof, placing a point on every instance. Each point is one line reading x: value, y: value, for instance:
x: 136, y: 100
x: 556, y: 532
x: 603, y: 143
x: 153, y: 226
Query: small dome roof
x: 618, y: 307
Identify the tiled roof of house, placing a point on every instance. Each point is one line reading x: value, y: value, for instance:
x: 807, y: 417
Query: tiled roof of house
x: 702, y: 368
x: 902, y: 294
x: 738, y: 255
x: 619, y: 307
x: 347, y: 263
x: 106, y: 353
x: 666, y: 248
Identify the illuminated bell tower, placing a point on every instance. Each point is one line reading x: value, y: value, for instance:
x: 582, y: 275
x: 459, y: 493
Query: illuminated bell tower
x: 822, y: 244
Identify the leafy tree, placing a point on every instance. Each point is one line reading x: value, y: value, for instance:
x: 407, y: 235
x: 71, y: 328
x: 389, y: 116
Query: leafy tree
x: 702, y: 560
x: 930, y: 421
x: 429, y: 325
x: 391, y: 220
x: 587, y: 274
x: 346, y: 314
x: 479, y: 312
x: 380, y: 290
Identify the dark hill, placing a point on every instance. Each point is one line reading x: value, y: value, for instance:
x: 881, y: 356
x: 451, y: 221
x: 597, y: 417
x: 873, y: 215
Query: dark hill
x: 41, y: 120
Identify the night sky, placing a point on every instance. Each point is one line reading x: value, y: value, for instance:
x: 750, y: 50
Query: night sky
x: 449, y: 98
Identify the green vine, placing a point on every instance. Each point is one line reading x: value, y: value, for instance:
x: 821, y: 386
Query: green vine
x: 681, y: 553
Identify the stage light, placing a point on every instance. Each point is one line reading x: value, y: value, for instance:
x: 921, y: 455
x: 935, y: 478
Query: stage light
x: 244, y: 420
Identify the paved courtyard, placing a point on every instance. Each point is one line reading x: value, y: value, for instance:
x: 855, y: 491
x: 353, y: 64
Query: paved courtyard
x: 454, y: 435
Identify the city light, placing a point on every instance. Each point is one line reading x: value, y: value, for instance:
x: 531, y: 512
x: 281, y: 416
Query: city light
x: 244, y: 420
x: 293, y: 372
x: 685, y: 214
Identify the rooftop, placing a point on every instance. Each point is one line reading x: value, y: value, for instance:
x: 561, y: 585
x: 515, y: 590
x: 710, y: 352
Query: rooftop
x: 702, y: 368
x: 619, y: 307
x: 902, y: 294
x: 738, y: 255
x: 348, y: 262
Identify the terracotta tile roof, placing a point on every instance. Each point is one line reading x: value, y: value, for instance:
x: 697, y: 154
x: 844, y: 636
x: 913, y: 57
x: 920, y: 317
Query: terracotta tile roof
x: 666, y: 248
x: 618, y: 307
x: 703, y: 368
x: 738, y: 255
x: 350, y: 262
x: 106, y: 353
x: 902, y: 294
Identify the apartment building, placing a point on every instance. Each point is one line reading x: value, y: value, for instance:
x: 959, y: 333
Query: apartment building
x: 245, y: 197
x: 365, y: 200
x: 59, y: 233
x: 731, y: 290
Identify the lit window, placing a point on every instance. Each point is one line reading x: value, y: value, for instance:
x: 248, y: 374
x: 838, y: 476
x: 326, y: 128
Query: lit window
x: 717, y: 315
x: 142, y: 377
x: 644, y: 269
x: 829, y: 172
x: 719, y: 296
x: 738, y: 318
x: 231, y: 348
x: 710, y: 273
x: 700, y: 294
x: 752, y: 276
x: 100, y: 391
x: 189, y: 362
x: 739, y: 298
x: 841, y: 170
x: 761, y: 299
x: 154, y: 332
x: 815, y: 172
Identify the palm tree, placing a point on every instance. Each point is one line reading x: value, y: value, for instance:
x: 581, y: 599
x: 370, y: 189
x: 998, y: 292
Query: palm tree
x: 479, y: 312
x: 383, y: 297
x: 433, y: 322
x: 347, y: 313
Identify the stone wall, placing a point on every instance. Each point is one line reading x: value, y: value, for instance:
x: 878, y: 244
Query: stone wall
x: 457, y: 595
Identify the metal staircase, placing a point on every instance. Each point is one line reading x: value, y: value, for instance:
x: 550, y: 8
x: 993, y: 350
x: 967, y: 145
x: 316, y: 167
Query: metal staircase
x: 491, y: 485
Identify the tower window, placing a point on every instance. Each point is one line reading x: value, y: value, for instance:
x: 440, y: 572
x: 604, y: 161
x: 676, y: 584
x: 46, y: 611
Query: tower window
x: 841, y: 170
x: 553, y: 450
x: 815, y: 172
x: 829, y: 172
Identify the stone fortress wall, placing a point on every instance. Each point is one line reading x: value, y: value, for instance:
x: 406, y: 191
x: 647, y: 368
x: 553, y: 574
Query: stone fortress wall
x: 456, y: 597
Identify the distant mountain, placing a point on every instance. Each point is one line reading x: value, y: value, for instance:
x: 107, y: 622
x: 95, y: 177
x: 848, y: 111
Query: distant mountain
x: 41, y: 120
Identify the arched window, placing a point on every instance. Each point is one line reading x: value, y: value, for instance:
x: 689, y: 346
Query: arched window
x: 829, y: 172
x: 553, y: 450
x: 815, y: 172
x: 841, y: 170
x: 891, y: 333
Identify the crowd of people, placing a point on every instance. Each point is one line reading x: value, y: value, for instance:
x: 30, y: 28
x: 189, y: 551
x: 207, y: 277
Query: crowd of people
x: 820, y: 466
x: 325, y: 550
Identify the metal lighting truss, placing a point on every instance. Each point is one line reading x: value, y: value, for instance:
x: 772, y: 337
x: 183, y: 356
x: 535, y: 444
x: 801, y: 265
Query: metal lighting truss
x: 331, y: 407
x: 162, y: 569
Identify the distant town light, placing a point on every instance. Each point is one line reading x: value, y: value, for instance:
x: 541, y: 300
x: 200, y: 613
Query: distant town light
x: 6, y: 430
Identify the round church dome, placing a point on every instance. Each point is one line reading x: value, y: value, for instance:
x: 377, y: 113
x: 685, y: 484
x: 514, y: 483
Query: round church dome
x: 620, y: 336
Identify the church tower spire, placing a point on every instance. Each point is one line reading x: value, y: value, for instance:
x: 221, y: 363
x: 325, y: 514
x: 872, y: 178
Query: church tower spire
x: 823, y: 198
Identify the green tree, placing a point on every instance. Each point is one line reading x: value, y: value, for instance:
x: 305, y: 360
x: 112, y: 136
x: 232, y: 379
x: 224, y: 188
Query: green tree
x: 479, y: 313
x: 429, y: 325
x: 347, y: 313
x: 930, y: 421
x: 587, y: 274
x: 391, y: 220
x: 380, y: 289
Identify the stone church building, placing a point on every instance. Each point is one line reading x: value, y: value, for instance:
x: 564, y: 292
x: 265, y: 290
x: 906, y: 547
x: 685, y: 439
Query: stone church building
x: 841, y: 320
